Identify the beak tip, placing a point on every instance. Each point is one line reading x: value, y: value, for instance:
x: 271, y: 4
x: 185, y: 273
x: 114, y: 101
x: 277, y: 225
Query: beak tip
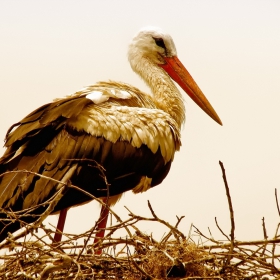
x: 215, y: 116
x: 209, y: 110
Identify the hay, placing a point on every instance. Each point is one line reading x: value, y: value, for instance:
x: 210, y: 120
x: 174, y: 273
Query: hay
x: 137, y: 256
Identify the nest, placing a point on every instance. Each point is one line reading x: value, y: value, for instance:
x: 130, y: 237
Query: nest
x: 137, y: 256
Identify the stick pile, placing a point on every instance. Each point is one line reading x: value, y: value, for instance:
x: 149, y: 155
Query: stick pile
x: 137, y: 256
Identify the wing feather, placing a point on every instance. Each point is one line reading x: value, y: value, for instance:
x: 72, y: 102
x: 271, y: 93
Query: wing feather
x: 67, y: 139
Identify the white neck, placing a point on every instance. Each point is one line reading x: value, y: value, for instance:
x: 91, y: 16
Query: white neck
x: 165, y: 94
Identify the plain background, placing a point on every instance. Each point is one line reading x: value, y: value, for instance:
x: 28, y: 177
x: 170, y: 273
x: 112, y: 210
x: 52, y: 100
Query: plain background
x: 49, y: 49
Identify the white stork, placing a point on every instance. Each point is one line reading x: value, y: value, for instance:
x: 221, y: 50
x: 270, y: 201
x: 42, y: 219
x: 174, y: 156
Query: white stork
x: 131, y: 134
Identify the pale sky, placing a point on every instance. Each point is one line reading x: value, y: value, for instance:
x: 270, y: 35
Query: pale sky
x: 232, y: 49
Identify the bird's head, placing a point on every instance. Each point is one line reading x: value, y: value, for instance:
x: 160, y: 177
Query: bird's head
x: 153, y: 43
x: 158, y: 47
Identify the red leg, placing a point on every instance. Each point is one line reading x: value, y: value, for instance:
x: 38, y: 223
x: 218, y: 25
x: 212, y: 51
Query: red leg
x: 101, y: 225
x: 60, y: 225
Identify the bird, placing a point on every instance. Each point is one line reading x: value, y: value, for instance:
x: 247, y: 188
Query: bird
x: 109, y: 129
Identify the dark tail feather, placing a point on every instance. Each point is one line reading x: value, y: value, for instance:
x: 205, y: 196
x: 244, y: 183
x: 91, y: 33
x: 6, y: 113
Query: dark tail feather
x: 10, y: 225
x: 7, y: 226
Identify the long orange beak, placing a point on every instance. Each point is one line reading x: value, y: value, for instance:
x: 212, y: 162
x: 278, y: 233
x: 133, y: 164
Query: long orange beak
x: 182, y: 77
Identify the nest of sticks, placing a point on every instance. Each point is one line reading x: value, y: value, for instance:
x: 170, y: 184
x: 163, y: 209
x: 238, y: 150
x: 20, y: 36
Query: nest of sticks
x: 137, y: 255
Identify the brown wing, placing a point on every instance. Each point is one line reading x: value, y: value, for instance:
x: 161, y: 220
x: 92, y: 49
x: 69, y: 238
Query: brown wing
x: 47, y: 142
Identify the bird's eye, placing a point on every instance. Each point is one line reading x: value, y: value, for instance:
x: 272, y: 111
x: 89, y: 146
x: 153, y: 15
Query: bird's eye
x: 159, y: 42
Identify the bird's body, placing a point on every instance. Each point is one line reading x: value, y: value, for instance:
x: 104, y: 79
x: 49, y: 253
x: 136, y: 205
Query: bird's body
x: 133, y: 136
